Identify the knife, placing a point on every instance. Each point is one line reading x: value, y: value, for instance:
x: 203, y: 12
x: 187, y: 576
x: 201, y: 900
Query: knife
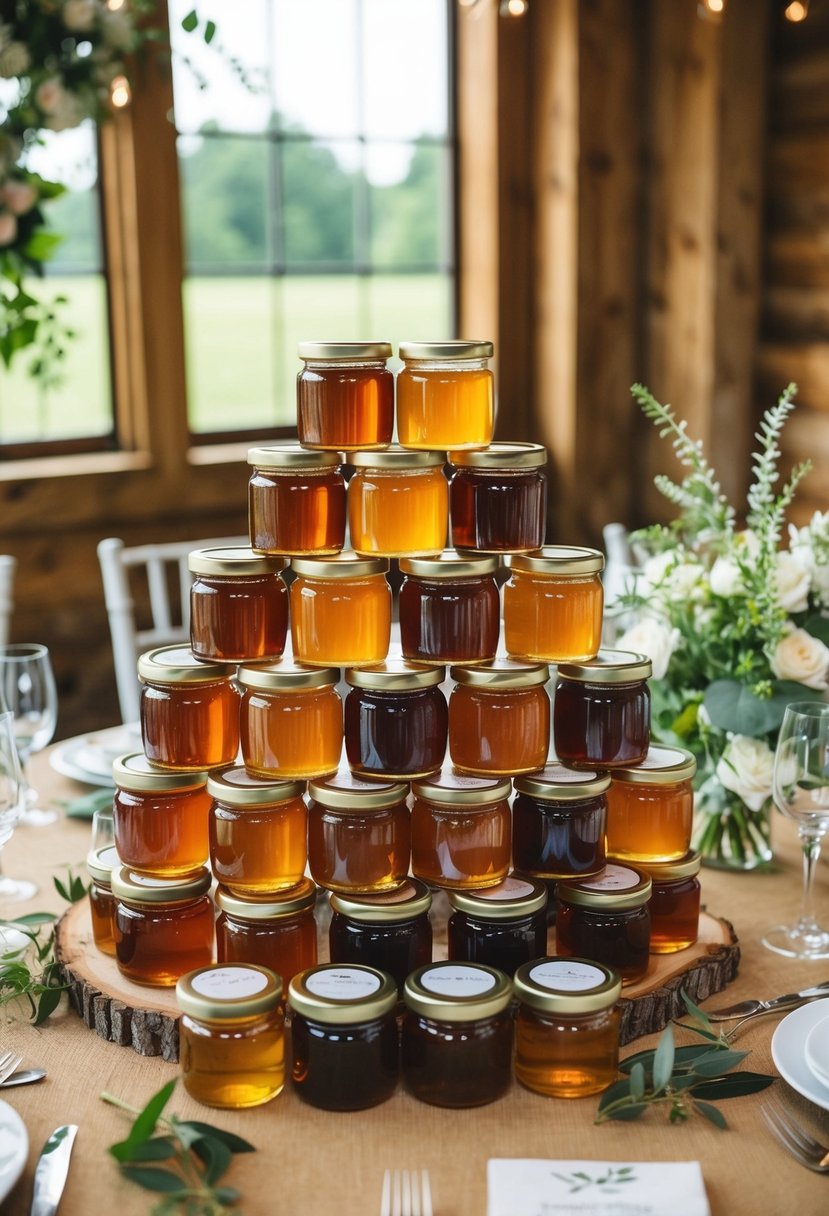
x: 51, y: 1171
x: 745, y: 1009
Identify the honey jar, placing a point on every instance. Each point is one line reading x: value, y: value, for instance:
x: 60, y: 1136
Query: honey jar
x: 396, y: 720
x: 274, y: 931
x: 674, y: 903
x: 398, y: 503
x: 445, y: 395
x: 650, y: 807
x: 359, y: 838
x: 344, y: 1036
x: 238, y: 605
x: 390, y: 931
x: 607, y: 919
x: 602, y: 711
x: 499, y: 717
x: 159, y: 818
x: 232, y: 1035
x: 340, y: 610
x: 558, y: 822
x: 456, y: 1047
x: 163, y: 927
x: 99, y: 866
x: 461, y: 830
x: 258, y: 831
x: 553, y: 605
x: 345, y: 395
x: 189, y: 710
x: 291, y: 720
x: 296, y: 501
x: 567, y: 1026
x: 449, y: 608
x: 498, y: 498
x: 501, y: 926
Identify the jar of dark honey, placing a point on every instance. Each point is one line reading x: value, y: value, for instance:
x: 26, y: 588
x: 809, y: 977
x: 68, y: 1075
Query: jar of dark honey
x: 449, y: 608
x: 160, y: 818
x: 567, y: 1027
x: 344, y: 1036
x: 390, y: 931
x: 340, y: 610
x: 232, y: 1035
x: 396, y: 720
x: 499, y: 717
x: 345, y: 395
x: 274, y: 931
x: 291, y: 720
x: 456, y: 1047
x: 296, y: 500
x: 553, y: 604
x: 501, y: 926
x: 558, y: 822
x: 163, y: 926
x: 674, y: 903
x: 607, y: 919
x: 602, y: 711
x: 238, y: 606
x: 258, y: 831
x: 445, y: 395
x: 189, y: 710
x: 398, y: 503
x: 650, y: 807
x: 359, y: 838
x: 498, y: 498
x: 461, y: 830
x: 99, y: 866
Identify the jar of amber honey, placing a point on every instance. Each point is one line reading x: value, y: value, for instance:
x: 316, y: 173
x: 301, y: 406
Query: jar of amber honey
x: 296, y: 500
x: 499, y: 717
x: 274, y: 931
x: 498, y: 498
x: 602, y: 711
x: 291, y: 720
x: 445, y: 395
x: 99, y: 866
x: 567, y: 1026
x: 189, y: 710
x: 344, y: 1036
x: 456, y: 1047
x: 359, y: 838
x: 163, y: 926
x: 607, y: 919
x: 558, y: 822
x: 345, y: 395
x: 501, y: 926
x: 159, y: 818
x: 674, y: 903
x: 390, y: 931
x: 238, y: 605
x: 650, y: 807
x: 232, y: 1035
x: 449, y: 608
x: 553, y: 604
x: 258, y: 831
x: 398, y: 503
x: 396, y: 720
x: 461, y: 830
x: 340, y: 610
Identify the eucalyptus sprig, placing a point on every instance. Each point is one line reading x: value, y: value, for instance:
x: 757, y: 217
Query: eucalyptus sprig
x: 194, y: 1156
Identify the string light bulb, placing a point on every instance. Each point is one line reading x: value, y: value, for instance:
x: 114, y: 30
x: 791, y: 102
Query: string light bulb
x: 514, y: 8
x: 119, y: 92
x: 796, y: 11
x: 711, y: 10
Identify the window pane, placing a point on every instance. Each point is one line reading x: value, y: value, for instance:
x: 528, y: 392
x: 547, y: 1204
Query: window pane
x: 409, y: 210
x: 224, y: 185
x: 405, y: 68
x: 410, y: 307
x: 317, y: 308
x: 316, y: 66
x: 318, y: 201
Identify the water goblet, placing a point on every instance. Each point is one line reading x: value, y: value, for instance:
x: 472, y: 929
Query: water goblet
x: 27, y: 689
x: 11, y: 804
x: 800, y: 787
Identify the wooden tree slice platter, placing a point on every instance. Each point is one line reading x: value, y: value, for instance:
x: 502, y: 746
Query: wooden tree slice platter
x: 146, y: 1019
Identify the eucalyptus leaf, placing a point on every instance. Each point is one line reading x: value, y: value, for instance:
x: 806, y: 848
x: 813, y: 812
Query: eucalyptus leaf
x: 235, y: 1143
x: 637, y: 1081
x: 711, y: 1113
x: 190, y: 21
x: 35, y: 918
x: 154, y: 1180
x: 717, y: 1063
x: 160, y: 1148
x: 818, y: 627
x: 47, y: 1004
x: 734, y: 1086
x: 663, y: 1061
x: 145, y: 1123
x: 628, y: 1113
x: 619, y: 1089
x: 694, y: 1010
x: 215, y: 1155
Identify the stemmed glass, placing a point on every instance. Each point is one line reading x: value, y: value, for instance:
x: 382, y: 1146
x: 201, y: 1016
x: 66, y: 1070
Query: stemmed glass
x: 27, y: 689
x: 12, y: 792
x: 801, y: 793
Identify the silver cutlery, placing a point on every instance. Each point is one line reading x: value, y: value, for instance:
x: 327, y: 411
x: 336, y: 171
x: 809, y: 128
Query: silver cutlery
x: 52, y: 1170
x: 8, y: 1063
x: 26, y: 1076
x: 795, y: 1139
x: 406, y: 1193
x: 746, y: 1009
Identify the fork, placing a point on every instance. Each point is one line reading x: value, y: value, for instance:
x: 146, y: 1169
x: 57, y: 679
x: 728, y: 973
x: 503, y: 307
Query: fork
x: 406, y: 1193
x: 8, y: 1063
x: 795, y: 1139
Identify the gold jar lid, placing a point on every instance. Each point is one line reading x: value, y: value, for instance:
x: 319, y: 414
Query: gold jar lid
x: 346, y: 564
x: 458, y: 789
x: 501, y: 456
x: 557, y: 783
x: 395, y: 457
x: 567, y: 560
x: 137, y: 888
x: 618, y: 886
x: 411, y: 899
x: 684, y: 867
x: 331, y: 351
x: 451, y: 350
x: 178, y: 665
x: 609, y: 667
x: 286, y: 675
x: 449, y: 564
x: 502, y: 673
x: 267, y: 907
x: 457, y: 992
x: 293, y: 456
x: 345, y: 791
x: 235, y: 786
x: 224, y: 991
x: 134, y: 772
x: 341, y: 994
x: 662, y: 766
x: 235, y: 560
x: 394, y: 675
x: 101, y: 862
x: 513, y: 898
x: 567, y: 985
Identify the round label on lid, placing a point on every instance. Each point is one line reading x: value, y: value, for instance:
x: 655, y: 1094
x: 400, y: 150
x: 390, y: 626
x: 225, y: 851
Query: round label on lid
x: 342, y: 984
x: 109, y: 857
x: 457, y: 981
x: 612, y: 878
x: 229, y: 983
x: 510, y: 888
x: 564, y: 975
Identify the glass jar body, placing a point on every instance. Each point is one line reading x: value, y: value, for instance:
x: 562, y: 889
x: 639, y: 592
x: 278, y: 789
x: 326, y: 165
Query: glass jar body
x: 445, y: 404
x: 559, y: 839
x: 449, y: 620
x: 457, y: 1064
x: 233, y: 619
x: 165, y: 833
x: 233, y: 1063
x: 674, y: 907
x: 190, y: 727
x: 601, y: 725
x: 102, y: 914
x: 397, y: 734
x: 337, y: 1067
x: 297, y: 511
x: 284, y: 944
x: 155, y: 944
x: 256, y: 850
x: 504, y: 944
x: 398, y: 512
x: 397, y: 947
x: 649, y: 822
x: 340, y: 622
x: 498, y: 511
x: 617, y: 937
x: 359, y: 851
x: 499, y: 730
x: 566, y: 1055
x: 296, y: 734
x: 463, y: 847
x: 347, y: 404
x: 553, y: 617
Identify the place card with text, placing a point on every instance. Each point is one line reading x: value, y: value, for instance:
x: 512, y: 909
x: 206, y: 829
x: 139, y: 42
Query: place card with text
x: 532, y: 1187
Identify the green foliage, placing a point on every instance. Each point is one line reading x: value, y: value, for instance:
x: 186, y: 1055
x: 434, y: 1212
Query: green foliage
x: 34, y: 976
x: 732, y: 706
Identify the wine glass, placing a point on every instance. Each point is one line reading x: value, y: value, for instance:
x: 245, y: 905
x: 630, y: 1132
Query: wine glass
x: 27, y: 689
x: 801, y: 793
x: 11, y: 805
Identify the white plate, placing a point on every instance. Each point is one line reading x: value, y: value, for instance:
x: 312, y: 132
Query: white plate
x: 14, y: 1148
x: 787, y: 1051
x: 816, y: 1050
x: 89, y: 758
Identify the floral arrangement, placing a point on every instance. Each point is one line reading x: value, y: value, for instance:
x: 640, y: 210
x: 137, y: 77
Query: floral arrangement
x: 736, y: 625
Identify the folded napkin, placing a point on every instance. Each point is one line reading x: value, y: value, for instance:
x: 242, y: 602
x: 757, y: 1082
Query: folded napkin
x: 533, y: 1187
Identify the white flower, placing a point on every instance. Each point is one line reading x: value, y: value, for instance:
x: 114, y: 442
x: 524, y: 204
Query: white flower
x: 745, y: 767
x: 14, y: 60
x: 726, y: 578
x: 79, y: 14
x: 803, y: 658
x: 8, y: 228
x: 655, y: 639
x: 60, y: 107
x: 793, y: 583
x: 49, y: 95
x: 19, y: 197
x: 811, y: 547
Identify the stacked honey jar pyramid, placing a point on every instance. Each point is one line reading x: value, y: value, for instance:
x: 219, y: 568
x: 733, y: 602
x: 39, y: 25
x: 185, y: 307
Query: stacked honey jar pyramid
x: 422, y: 800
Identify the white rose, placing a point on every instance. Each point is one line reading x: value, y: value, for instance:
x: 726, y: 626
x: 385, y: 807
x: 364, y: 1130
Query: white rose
x: 8, y: 227
x: 745, y: 767
x: 726, y: 578
x: 654, y: 638
x: 18, y: 196
x: 801, y: 657
x: 810, y: 546
x: 14, y: 60
x: 79, y: 14
x: 793, y: 583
